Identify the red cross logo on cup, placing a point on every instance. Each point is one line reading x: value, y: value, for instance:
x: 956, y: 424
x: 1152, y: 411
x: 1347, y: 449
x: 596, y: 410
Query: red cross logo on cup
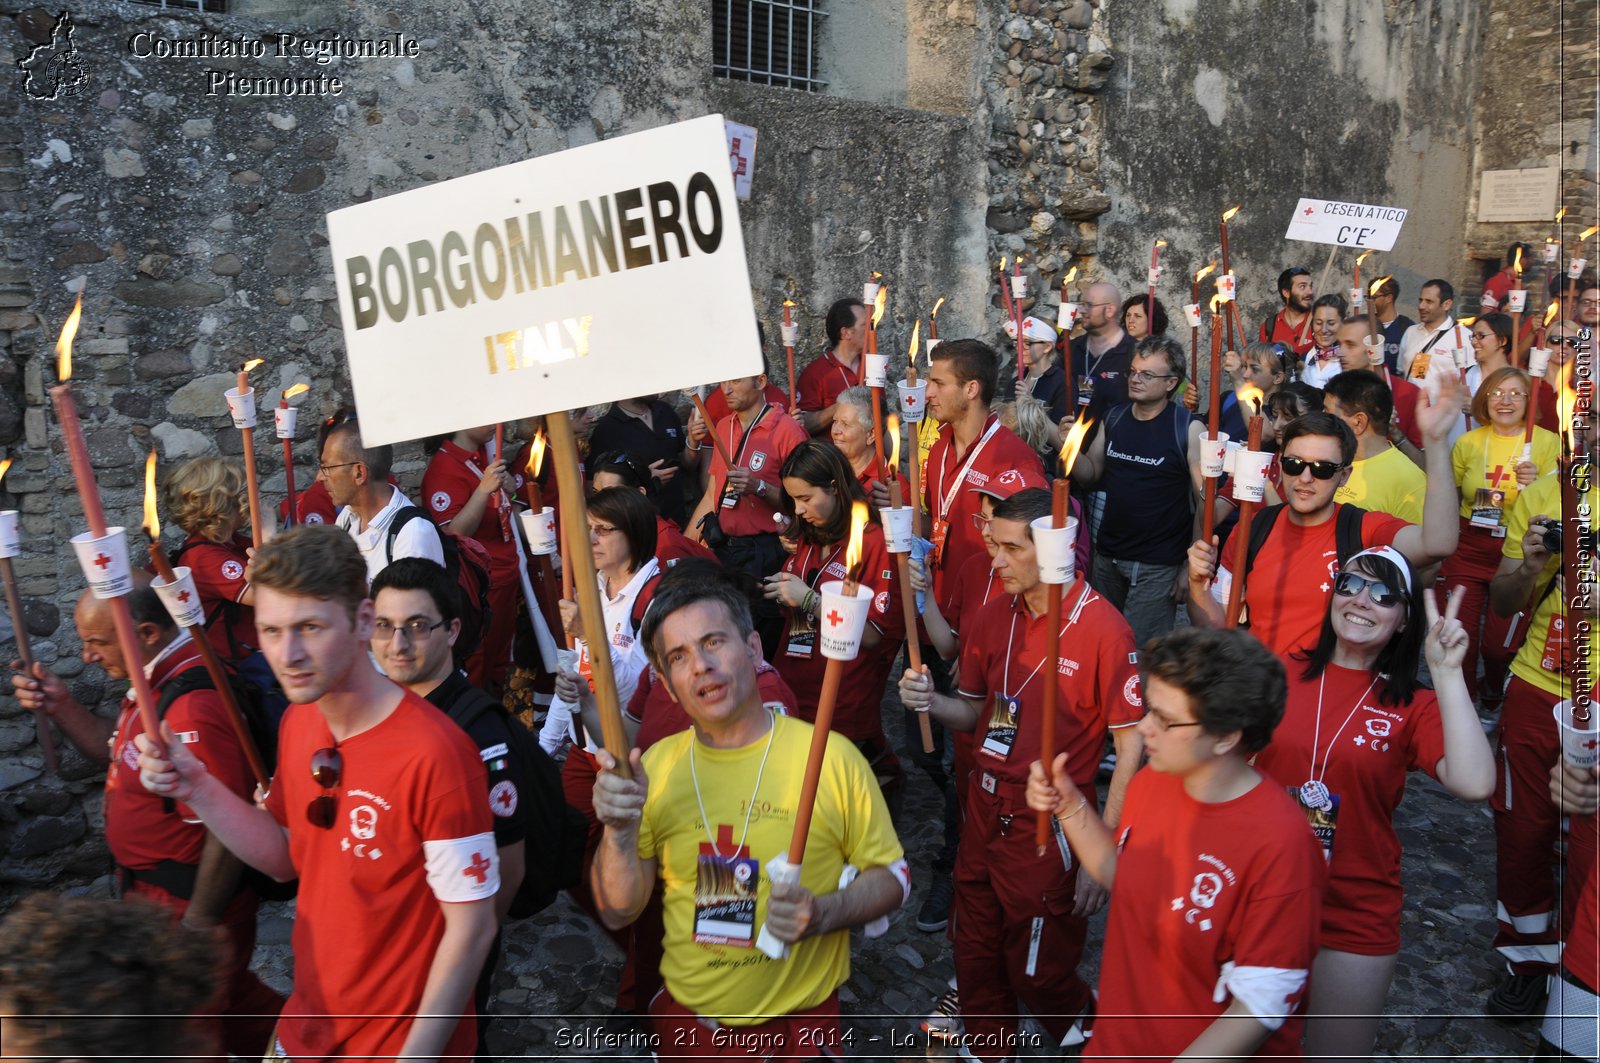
x: 910, y: 401
x: 1591, y: 743
x: 478, y: 869
x: 183, y: 596
x: 103, y: 561
x: 834, y: 619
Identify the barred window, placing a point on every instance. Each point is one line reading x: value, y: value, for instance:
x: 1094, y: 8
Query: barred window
x: 214, y: 7
x: 769, y: 42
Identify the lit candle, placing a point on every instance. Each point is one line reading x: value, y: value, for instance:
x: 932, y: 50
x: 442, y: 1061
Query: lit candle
x: 242, y: 404
x: 286, y: 419
x: 1192, y: 312
x: 1227, y: 267
x: 1358, y: 293
x: 913, y: 466
x: 11, y: 546
x: 790, y: 335
x: 873, y: 369
x: 1247, y: 510
x: 902, y: 560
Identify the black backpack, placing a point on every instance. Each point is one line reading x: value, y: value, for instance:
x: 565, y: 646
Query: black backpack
x: 556, y: 832
x: 468, y: 564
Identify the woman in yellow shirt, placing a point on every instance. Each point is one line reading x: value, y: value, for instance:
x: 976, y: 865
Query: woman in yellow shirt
x: 1492, y: 465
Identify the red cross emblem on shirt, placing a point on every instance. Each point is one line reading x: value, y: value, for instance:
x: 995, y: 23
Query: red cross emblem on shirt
x: 103, y: 561
x: 478, y: 869
x: 503, y: 799
x: 834, y: 619
x: 1499, y: 473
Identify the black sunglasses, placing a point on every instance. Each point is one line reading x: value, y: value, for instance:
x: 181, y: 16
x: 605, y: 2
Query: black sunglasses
x: 1349, y: 584
x: 1322, y: 470
x: 326, y: 767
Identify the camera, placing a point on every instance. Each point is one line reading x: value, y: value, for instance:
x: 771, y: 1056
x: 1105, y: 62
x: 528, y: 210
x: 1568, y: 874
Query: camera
x: 1552, y: 535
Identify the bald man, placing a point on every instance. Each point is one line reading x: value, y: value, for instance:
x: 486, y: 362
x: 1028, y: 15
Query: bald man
x: 1100, y: 355
x: 163, y: 853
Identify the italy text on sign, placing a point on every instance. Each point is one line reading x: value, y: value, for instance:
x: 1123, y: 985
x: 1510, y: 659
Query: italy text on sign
x: 607, y: 271
x: 1329, y: 221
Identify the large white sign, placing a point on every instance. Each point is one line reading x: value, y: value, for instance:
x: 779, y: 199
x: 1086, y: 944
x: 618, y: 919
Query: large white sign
x: 604, y: 272
x: 1329, y: 221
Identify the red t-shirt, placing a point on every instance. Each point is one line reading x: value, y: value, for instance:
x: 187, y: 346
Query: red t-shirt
x: 1288, y: 589
x: 218, y: 570
x: 660, y: 717
x: 975, y: 583
x: 821, y: 382
x: 997, y: 455
x: 857, y: 712
x: 1405, y: 407
x: 453, y: 475
x: 1201, y: 885
x: 1363, y: 751
x: 412, y: 831
x: 763, y: 453
x: 1277, y: 330
x: 1006, y: 653
x: 717, y: 401
x: 139, y: 830
x: 673, y: 546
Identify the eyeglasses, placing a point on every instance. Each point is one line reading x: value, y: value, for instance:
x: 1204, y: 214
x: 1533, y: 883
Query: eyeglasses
x: 1322, y: 470
x: 323, y: 467
x: 1140, y: 374
x: 383, y: 631
x: 1166, y: 724
x: 1497, y: 394
x: 326, y: 767
x: 1349, y: 584
x: 980, y: 522
x: 602, y: 529
x: 1566, y: 341
x: 1098, y: 306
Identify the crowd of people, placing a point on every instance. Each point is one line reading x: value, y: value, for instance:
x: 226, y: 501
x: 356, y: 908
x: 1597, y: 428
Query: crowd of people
x: 1228, y: 791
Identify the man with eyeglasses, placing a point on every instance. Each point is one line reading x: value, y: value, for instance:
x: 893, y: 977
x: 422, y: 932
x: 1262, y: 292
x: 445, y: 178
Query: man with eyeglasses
x: 357, y: 478
x: 1100, y: 355
x: 1017, y: 937
x: 1589, y: 308
x: 1382, y: 479
x: 162, y: 853
x: 1299, y: 543
x: 1392, y: 323
x: 377, y: 806
x: 413, y: 640
x: 1147, y: 461
x: 1288, y: 326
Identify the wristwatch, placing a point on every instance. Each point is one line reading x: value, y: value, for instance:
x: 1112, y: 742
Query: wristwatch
x: 761, y: 489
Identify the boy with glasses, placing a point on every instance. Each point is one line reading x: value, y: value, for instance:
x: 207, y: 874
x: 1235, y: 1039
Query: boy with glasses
x: 377, y: 806
x: 1298, y: 544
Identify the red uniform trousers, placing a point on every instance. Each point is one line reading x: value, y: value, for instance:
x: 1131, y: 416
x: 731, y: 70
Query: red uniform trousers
x: 681, y: 1034
x: 247, y: 1008
x: 1473, y: 566
x: 1526, y: 823
x: 1016, y: 938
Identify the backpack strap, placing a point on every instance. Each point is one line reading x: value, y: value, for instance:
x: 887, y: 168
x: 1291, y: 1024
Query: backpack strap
x: 185, y: 682
x: 402, y: 516
x: 1260, y: 528
x: 469, y: 705
x: 1347, y: 532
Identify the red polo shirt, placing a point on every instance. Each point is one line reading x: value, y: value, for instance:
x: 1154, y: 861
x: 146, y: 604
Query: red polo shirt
x: 1277, y: 330
x: 821, y: 382
x: 768, y: 445
x: 453, y: 475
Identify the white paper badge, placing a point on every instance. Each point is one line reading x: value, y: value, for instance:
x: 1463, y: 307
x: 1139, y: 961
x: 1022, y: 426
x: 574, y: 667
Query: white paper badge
x: 1227, y: 286
x: 540, y: 530
x: 869, y: 292
x: 1066, y: 316
x: 1250, y: 475
x: 1358, y: 298
x: 1538, y: 361
x: 1576, y: 267
x: 1019, y: 285
x: 104, y: 562
x: 1552, y: 251
x: 1213, y: 453
x: 1155, y: 276
x: 1517, y: 300
x: 791, y: 335
x: 1191, y: 311
x: 1374, y: 346
x: 242, y: 407
x: 897, y: 529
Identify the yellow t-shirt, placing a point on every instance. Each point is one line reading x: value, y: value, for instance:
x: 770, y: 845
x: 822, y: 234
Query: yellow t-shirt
x: 735, y: 984
x: 1544, y: 496
x: 1486, y: 462
x: 1386, y: 483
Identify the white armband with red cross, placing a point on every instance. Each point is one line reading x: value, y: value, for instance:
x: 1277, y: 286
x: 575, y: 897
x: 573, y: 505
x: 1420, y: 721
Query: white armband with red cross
x: 462, y: 869
x: 1266, y: 991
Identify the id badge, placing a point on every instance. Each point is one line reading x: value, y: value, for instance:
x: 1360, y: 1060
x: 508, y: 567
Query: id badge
x: 1322, y: 817
x: 1002, y: 732
x: 1419, y: 365
x: 1085, y: 390
x: 1488, y: 511
x: 729, y: 498
x: 941, y: 529
x: 1555, y: 643
x: 802, y: 641
x: 725, y: 898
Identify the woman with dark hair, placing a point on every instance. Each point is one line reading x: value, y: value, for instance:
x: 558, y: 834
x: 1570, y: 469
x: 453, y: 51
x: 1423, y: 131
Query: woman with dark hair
x: 1491, y: 350
x: 1134, y: 321
x: 617, y: 469
x: 820, y: 491
x: 1322, y: 362
x: 1356, y: 723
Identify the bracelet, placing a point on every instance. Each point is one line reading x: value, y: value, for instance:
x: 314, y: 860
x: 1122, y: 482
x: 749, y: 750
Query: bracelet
x: 1083, y: 803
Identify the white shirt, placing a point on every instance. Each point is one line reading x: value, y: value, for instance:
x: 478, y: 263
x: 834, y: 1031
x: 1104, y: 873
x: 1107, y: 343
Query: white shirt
x: 417, y: 538
x: 1441, y: 355
x: 628, y: 659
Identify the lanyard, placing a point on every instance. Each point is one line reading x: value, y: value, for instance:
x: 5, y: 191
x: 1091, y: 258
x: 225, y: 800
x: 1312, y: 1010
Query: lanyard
x: 837, y: 550
x: 961, y: 474
x: 705, y: 821
x: 1314, y: 790
x: 844, y: 374
x: 1005, y: 675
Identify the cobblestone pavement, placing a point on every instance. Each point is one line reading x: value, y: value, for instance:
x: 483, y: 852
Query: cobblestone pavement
x: 556, y: 991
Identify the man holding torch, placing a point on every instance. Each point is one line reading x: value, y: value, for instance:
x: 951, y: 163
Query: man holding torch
x: 685, y: 819
x: 1021, y: 915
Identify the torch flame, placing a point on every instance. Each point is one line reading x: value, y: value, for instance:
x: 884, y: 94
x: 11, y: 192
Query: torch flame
x: 894, y: 442
x: 1362, y: 257
x: 1590, y: 231
x: 1562, y: 213
x: 1161, y: 243
x: 879, y: 303
x: 1467, y: 321
x: 916, y: 339
x: 1551, y: 312
x: 788, y: 302
x: 1074, y: 443
x: 876, y: 277
x: 936, y: 306
x: 1201, y: 275
x: 1216, y: 300
x: 1003, y: 261
x: 1372, y: 289
x: 297, y: 389
x: 858, y: 525
x: 5, y: 467
x: 1072, y: 275
x: 536, y: 454
x: 64, y: 342
x: 1567, y: 406
x: 1227, y: 215
x: 1251, y: 394
x: 152, y: 523
x: 251, y: 365
x: 1516, y: 261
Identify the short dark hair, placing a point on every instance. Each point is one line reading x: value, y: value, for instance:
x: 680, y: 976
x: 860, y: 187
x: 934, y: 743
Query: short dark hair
x: 421, y: 574
x: 1286, y: 278
x: 147, y: 608
x: 687, y: 583
x: 630, y: 469
x: 841, y: 315
x: 1158, y: 313
x: 1027, y: 506
x: 346, y: 438
x: 1333, y: 299
x: 1389, y: 287
x: 1233, y: 682
x: 972, y: 360
x: 1158, y: 345
x: 1500, y: 325
x: 1363, y: 391
x: 821, y: 464
x: 1295, y: 399
x: 627, y: 510
x: 1397, y: 661
x: 1446, y: 290
x: 1318, y: 423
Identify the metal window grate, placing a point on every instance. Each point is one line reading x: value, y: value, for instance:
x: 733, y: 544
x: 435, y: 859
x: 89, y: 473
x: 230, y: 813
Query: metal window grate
x: 213, y: 7
x: 769, y: 42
